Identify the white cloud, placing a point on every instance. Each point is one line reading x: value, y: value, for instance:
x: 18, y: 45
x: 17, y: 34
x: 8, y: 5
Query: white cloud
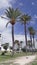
x: 6, y: 3
x: 35, y: 16
x: 21, y: 4
x: 2, y: 23
x: 33, y: 19
x: 13, y: 1
x: 33, y: 3
x: 32, y: 22
x: 7, y: 37
x: 6, y: 34
x: 21, y: 37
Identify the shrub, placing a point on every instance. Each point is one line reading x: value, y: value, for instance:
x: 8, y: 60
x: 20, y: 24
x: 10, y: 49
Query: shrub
x: 3, y: 53
x: 23, y: 49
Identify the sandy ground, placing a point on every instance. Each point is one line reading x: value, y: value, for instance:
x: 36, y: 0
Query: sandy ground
x: 21, y: 60
x: 24, y: 60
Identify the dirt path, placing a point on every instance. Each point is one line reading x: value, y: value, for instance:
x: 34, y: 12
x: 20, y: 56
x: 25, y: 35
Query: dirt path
x: 24, y: 60
x: 20, y: 60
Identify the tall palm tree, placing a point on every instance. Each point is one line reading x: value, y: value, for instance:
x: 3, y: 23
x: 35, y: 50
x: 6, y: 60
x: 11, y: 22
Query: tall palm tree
x: 12, y: 15
x: 33, y: 35
x: 30, y: 32
x: 29, y: 44
x: 25, y: 18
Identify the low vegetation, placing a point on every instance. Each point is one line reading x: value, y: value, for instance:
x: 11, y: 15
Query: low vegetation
x: 9, y: 56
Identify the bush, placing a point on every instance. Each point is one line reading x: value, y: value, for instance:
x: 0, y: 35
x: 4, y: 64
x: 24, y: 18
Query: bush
x: 17, y: 49
x: 3, y: 53
x: 23, y: 49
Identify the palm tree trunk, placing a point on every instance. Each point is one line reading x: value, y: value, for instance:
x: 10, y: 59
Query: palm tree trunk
x: 21, y: 45
x: 31, y: 43
x: 18, y: 47
x: 13, y: 39
x: 31, y: 40
x: 29, y: 47
x: 25, y: 37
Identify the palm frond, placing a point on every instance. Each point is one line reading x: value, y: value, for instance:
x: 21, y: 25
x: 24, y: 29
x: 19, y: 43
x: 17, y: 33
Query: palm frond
x: 17, y: 13
x: 12, y: 13
x: 7, y: 24
x: 31, y: 30
x: 25, y: 18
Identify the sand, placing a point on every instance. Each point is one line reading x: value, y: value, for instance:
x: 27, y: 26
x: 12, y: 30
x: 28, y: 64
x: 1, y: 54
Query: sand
x: 21, y: 60
x: 24, y: 60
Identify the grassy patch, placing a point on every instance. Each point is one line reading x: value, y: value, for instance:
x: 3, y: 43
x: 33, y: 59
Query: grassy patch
x: 34, y: 62
x: 8, y: 56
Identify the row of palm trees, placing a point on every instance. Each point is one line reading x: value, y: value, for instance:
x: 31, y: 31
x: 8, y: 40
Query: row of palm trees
x: 14, y: 15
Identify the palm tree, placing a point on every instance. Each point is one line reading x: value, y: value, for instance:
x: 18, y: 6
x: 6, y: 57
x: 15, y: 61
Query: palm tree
x: 33, y: 35
x: 29, y: 44
x: 25, y: 18
x: 30, y: 32
x: 12, y: 15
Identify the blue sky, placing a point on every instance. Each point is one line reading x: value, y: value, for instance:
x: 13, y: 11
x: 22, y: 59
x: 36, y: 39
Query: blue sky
x: 25, y: 6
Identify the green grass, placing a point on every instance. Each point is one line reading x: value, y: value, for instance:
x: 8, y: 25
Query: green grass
x: 33, y: 63
x: 8, y: 55
x: 9, y: 64
x: 2, y: 58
